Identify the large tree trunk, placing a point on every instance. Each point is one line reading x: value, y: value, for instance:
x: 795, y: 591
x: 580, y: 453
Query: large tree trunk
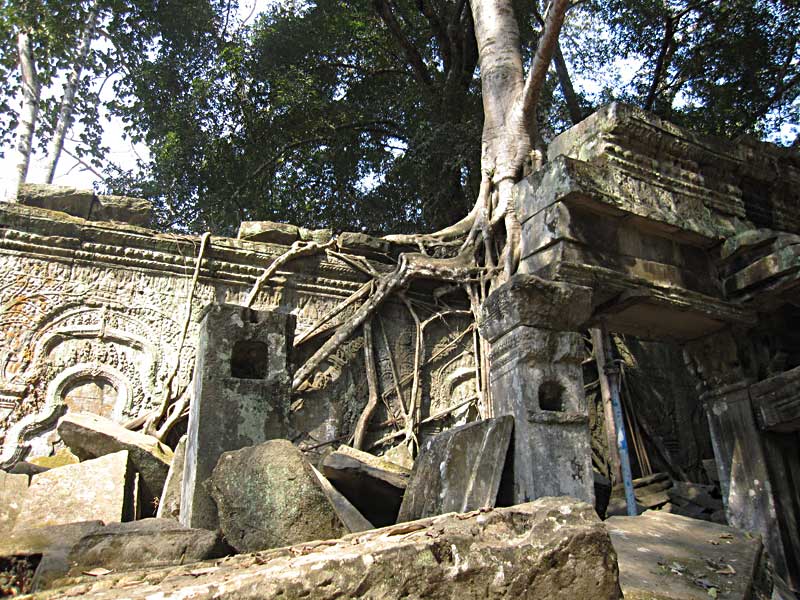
x: 31, y: 92
x: 509, y: 128
x: 64, y: 119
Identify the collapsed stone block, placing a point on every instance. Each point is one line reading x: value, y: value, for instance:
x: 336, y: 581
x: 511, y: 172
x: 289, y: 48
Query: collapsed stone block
x: 91, y: 436
x: 13, y: 489
x: 241, y: 396
x: 101, y: 488
x: 48, y: 547
x: 269, y: 232
x: 535, y: 356
x: 169, y: 503
x: 554, y: 548
x: 267, y: 496
x: 458, y: 470
x: 85, y: 204
x: 373, y: 485
x: 148, y: 543
x: 663, y: 556
x: 348, y: 514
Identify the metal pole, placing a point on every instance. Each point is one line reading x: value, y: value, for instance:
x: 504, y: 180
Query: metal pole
x: 612, y: 373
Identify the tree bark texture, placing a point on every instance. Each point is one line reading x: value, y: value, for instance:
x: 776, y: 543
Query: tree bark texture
x: 31, y: 93
x: 64, y: 119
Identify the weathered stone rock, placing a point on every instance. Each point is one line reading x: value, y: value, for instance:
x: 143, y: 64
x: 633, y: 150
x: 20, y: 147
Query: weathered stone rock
x: 321, y: 236
x: 269, y: 232
x: 348, y: 514
x: 169, y: 503
x: 553, y: 548
x: 241, y: 396
x: 136, y: 545
x: 73, y: 201
x: 85, y: 205
x: 95, y: 489
x: 669, y: 557
x: 50, y: 545
x: 268, y: 496
x: 59, y: 459
x: 458, y: 470
x: 90, y: 436
x: 363, y: 244
x: 13, y: 489
x: 374, y: 486
x: 136, y: 211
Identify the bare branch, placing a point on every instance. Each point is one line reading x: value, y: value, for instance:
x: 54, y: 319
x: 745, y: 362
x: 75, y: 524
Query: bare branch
x: 666, y: 42
x: 554, y: 19
x: 413, y: 56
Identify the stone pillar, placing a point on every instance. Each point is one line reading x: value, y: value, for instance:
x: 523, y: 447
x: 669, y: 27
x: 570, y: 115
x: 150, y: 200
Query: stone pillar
x: 535, y: 374
x: 740, y: 448
x: 240, y: 398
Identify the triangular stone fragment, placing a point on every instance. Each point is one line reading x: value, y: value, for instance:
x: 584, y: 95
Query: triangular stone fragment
x: 373, y: 485
x: 91, y: 436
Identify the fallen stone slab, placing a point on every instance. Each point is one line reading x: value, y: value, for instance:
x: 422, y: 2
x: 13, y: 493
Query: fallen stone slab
x: 347, y: 513
x: 458, y: 470
x: 267, y: 496
x: 91, y: 436
x: 169, y: 503
x: 268, y: 232
x: 37, y: 544
x: 144, y: 544
x: 554, y: 548
x: 13, y: 489
x: 373, y: 485
x: 663, y: 556
x: 101, y: 488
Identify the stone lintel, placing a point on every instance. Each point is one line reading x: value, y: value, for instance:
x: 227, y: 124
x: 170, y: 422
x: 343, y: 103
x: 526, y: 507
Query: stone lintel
x: 528, y: 300
x: 776, y: 402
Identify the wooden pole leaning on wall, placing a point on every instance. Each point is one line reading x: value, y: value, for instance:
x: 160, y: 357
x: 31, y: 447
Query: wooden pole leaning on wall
x: 598, y: 343
x: 611, y: 374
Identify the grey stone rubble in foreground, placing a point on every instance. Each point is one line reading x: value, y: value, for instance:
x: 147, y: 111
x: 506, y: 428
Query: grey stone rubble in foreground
x: 553, y: 548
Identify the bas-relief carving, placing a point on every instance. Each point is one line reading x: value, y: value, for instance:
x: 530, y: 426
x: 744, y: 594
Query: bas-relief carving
x: 70, y: 325
x: 90, y: 334
x: 330, y: 403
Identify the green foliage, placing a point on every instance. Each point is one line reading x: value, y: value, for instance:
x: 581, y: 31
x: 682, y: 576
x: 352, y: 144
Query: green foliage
x: 728, y: 67
x: 366, y: 114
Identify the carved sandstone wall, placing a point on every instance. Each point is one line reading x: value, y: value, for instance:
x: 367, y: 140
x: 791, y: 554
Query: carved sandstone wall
x: 91, y: 315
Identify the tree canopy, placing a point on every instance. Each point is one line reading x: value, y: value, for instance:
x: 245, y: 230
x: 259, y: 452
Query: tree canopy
x: 367, y: 114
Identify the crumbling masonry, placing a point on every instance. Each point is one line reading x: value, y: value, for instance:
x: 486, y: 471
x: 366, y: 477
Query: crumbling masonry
x: 633, y: 223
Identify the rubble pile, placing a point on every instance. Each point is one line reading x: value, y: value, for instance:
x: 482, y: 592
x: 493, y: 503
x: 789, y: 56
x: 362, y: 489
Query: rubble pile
x: 78, y: 529
x: 660, y: 492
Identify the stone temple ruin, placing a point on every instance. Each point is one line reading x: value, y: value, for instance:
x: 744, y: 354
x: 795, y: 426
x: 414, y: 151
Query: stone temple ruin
x: 633, y: 224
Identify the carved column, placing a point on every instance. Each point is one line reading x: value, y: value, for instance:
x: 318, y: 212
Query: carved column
x: 240, y: 398
x: 740, y: 448
x: 535, y: 375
